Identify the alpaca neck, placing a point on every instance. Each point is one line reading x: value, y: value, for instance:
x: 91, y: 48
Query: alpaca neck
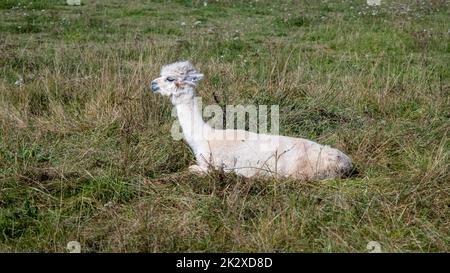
x: 191, y: 121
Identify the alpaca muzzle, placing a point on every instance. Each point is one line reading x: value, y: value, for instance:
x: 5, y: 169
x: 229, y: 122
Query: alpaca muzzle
x: 154, y: 86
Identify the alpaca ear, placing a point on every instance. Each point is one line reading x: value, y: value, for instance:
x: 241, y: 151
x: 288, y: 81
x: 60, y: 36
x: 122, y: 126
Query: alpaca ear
x: 193, y: 78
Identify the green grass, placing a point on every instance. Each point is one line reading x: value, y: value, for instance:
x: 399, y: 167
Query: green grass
x: 86, y: 152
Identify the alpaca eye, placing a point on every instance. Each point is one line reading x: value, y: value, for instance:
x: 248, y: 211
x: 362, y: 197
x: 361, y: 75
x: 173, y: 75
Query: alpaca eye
x: 169, y: 79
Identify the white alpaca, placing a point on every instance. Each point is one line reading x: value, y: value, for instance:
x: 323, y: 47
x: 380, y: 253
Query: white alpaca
x: 245, y: 153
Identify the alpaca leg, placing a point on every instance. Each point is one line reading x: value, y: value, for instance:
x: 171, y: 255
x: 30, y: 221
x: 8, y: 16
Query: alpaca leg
x: 199, y: 170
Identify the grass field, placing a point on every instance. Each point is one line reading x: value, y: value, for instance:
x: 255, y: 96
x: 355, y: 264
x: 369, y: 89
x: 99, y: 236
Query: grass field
x: 86, y: 152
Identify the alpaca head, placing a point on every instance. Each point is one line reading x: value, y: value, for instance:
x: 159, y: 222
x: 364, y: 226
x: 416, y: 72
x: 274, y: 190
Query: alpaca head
x: 177, y: 81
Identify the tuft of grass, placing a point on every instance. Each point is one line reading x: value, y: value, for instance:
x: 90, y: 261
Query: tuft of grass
x: 86, y: 152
